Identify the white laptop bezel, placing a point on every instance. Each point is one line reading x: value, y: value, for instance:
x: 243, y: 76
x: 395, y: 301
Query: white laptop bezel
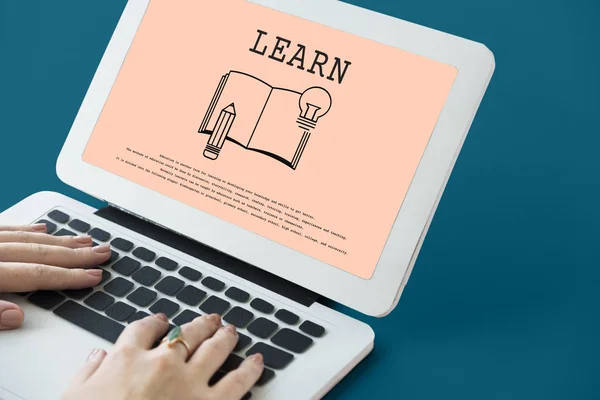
x: 376, y: 296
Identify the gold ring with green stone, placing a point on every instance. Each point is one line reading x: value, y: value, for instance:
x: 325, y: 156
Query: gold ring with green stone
x: 176, y: 336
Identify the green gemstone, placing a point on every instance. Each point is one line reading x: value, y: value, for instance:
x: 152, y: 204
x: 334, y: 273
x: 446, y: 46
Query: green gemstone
x: 174, y: 334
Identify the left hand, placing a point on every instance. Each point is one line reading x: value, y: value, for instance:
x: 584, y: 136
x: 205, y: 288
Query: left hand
x: 32, y: 260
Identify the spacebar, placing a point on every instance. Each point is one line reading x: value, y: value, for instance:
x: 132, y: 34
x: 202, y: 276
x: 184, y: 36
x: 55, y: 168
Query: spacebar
x: 89, y: 320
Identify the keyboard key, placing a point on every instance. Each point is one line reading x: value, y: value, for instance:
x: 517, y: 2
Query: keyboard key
x: 166, y: 263
x: 191, y: 274
x: 89, y: 320
x: 165, y: 306
x: 137, y: 316
x: 99, y: 301
x: 233, y: 362
x: 262, y: 327
x: 217, y: 376
x: 65, y: 232
x: 287, y: 317
x: 243, y: 341
x: 312, y: 329
x: 122, y: 244
x: 142, y: 296
x: 120, y: 311
x: 144, y: 254
x: 292, y: 340
x: 238, y: 317
x: 191, y: 295
x: 99, y: 234
x: 265, y: 377
x: 185, y: 317
x: 50, y: 226
x: 79, y: 225
x: 126, y: 266
x: 113, y: 257
x: 46, y: 299
x: 58, y: 216
x: 146, y: 276
x: 169, y: 286
x: 78, y: 294
x: 105, y: 277
x: 262, y: 306
x: 118, y: 286
x: 237, y: 294
x: 274, y: 357
x: 214, y: 305
x: 213, y: 284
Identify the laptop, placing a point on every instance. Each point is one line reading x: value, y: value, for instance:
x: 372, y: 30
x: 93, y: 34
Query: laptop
x: 255, y: 156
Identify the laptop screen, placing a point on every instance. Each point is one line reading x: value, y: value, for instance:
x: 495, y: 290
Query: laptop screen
x: 303, y: 134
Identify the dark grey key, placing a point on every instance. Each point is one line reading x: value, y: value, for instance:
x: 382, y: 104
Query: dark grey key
x: 65, y: 232
x: 46, y: 299
x: 144, y: 254
x: 237, y: 294
x: 292, y: 340
x: 239, y: 317
x: 274, y: 357
x: 79, y: 225
x: 191, y: 295
x: 99, y: 301
x: 118, y: 286
x: 126, y: 266
x: 287, y: 317
x: 137, y: 316
x: 113, y: 257
x: 89, y: 320
x: 265, y: 377
x: 78, y: 294
x: 120, y: 311
x: 214, y: 305
x: 122, y: 244
x: 50, y: 226
x: 191, y: 274
x: 262, y: 306
x: 234, y: 361
x: 142, y: 296
x: 312, y: 329
x: 262, y: 327
x: 146, y: 276
x: 99, y: 234
x: 169, y: 286
x: 105, y: 277
x: 58, y: 216
x: 242, y: 342
x: 165, y: 306
x: 166, y: 263
x: 185, y: 317
x: 217, y: 376
x: 213, y: 284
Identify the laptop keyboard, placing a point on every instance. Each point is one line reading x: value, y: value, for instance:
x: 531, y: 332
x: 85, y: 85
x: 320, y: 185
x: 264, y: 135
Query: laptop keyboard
x: 134, y: 286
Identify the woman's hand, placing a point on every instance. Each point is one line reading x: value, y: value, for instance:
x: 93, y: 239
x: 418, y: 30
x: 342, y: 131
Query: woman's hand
x: 32, y: 260
x: 135, y: 371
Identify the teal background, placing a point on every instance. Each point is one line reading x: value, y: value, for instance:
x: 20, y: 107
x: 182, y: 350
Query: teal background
x: 504, y: 300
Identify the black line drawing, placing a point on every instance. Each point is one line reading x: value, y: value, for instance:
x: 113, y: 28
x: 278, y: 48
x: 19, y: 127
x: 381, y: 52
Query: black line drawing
x: 275, y: 122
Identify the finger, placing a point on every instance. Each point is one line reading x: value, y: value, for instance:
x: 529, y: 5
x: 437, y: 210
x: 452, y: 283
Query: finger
x: 54, y: 255
x: 194, y: 333
x: 238, y: 382
x: 73, y: 242
x: 19, y: 277
x: 40, y: 228
x: 144, y: 332
x: 11, y: 316
x: 92, y: 363
x: 213, y: 352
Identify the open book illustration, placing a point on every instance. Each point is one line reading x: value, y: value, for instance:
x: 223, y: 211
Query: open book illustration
x: 272, y: 121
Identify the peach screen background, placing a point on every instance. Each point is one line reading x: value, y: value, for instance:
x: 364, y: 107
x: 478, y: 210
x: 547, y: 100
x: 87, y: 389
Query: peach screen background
x: 359, y: 162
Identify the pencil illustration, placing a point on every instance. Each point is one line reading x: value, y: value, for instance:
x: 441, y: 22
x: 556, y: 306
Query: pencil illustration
x: 219, y: 135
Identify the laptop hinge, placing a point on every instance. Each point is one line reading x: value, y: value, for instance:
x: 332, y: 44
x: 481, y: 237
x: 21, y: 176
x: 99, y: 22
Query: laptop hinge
x: 208, y: 254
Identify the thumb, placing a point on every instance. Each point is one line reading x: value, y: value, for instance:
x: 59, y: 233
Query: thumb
x: 94, y: 360
x: 11, y: 315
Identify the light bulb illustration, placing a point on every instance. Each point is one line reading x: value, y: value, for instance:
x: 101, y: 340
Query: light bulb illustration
x: 314, y: 103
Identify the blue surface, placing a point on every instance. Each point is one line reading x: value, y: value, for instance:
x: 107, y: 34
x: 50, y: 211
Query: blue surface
x: 504, y: 300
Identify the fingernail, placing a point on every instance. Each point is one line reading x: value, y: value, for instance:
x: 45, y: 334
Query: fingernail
x: 11, y: 318
x: 231, y: 329
x: 95, y: 354
x: 95, y: 272
x: 162, y: 316
x: 257, y: 358
x: 39, y: 227
x: 85, y: 239
x: 216, y: 318
x: 104, y: 248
